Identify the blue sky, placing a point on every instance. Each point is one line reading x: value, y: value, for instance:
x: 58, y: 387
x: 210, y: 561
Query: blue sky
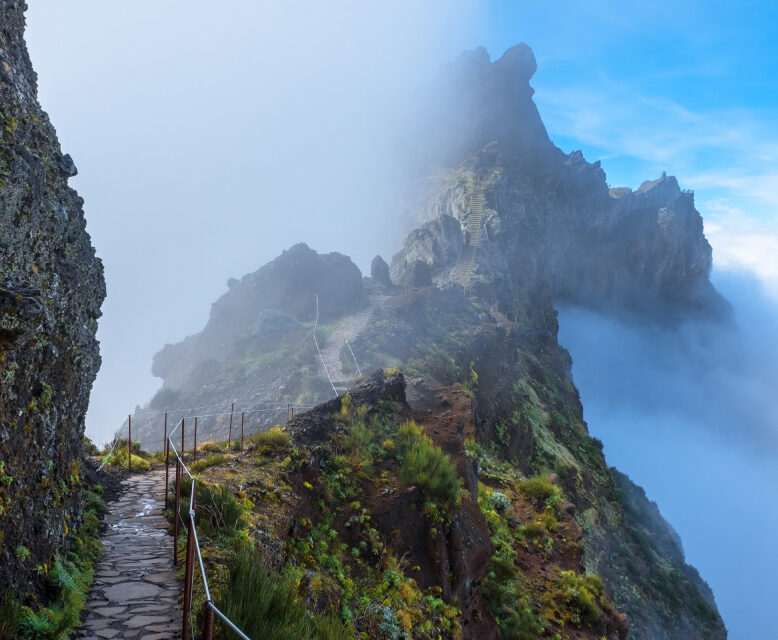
x: 688, y: 88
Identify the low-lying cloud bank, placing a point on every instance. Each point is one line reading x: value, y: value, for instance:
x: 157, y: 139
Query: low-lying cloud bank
x: 689, y: 413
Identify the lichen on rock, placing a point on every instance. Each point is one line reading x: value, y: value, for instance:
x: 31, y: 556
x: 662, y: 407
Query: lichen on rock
x: 51, y: 289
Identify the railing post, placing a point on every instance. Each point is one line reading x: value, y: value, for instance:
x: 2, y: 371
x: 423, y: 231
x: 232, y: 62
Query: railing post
x: 166, y: 451
x: 208, y: 622
x: 189, y: 572
x: 229, y: 433
x: 176, y: 516
x: 242, y: 416
x: 182, y: 440
x: 194, y: 453
x: 129, y: 443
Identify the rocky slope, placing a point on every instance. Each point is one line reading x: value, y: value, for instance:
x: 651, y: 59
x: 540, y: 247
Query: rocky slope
x: 51, y: 289
x: 508, y: 225
x: 386, y: 515
x: 550, y: 223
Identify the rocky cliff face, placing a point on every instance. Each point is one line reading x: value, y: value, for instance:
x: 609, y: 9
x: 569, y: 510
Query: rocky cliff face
x: 550, y: 222
x: 508, y: 225
x: 51, y: 289
x: 294, y: 287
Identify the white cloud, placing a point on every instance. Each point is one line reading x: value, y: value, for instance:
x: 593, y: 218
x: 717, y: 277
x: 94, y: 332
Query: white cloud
x: 728, y: 157
x: 742, y: 243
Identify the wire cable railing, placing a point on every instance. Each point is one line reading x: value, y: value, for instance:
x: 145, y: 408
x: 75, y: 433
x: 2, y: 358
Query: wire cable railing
x: 113, y: 446
x: 316, y: 342
x: 193, y: 543
x: 192, y: 548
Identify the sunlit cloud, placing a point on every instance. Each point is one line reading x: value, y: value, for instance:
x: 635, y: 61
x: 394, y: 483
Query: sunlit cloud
x: 744, y: 244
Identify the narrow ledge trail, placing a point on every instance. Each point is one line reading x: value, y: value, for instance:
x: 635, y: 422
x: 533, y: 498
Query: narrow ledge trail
x: 135, y: 592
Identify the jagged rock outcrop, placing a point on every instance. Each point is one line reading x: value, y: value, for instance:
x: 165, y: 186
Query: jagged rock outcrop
x: 51, y: 289
x: 379, y: 271
x: 436, y: 243
x: 290, y: 284
x: 546, y: 228
x: 550, y: 223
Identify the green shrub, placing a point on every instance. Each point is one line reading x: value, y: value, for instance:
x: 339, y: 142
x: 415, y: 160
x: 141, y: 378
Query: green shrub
x: 470, y: 386
x: 503, y: 586
x: 267, y: 606
x: 210, y: 460
x: 119, y: 459
x: 499, y: 501
x: 424, y: 464
x: 217, y: 512
x: 407, y: 434
x: 540, y: 489
x: 210, y: 447
x: 271, y: 441
x: 89, y: 447
x: 578, y: 596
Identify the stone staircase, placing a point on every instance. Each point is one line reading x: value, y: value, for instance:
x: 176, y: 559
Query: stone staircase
x: 463, y: 269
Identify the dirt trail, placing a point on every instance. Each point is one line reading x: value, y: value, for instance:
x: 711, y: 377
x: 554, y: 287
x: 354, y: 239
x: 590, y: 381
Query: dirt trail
x: 348, y: 328
x: 135, y: 593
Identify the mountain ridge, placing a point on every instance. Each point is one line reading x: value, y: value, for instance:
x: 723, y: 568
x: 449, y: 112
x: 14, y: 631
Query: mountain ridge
x: 549, y: 230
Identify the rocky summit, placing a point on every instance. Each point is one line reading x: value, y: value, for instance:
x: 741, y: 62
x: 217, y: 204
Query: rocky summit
x: 544, y: 539
x: 51, y: 289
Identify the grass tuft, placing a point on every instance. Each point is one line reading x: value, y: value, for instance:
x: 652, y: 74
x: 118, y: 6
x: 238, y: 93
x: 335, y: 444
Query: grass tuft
x: 424, y: 464
x: 209, y: 461
x: 271, y: 441
x: 267, y: 606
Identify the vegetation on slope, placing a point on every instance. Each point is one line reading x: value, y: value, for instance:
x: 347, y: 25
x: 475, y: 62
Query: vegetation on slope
x: 345, y: 536
x: 67, y: 580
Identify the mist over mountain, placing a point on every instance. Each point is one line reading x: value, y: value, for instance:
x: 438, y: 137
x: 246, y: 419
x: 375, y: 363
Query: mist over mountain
x: 690, y: 411
x: 508, y: 227
x: 538, y: 416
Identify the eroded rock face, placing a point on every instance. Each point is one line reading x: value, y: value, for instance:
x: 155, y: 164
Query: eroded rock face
x: 549, y: 222
x: 51, y: 289
x: 379, y: 271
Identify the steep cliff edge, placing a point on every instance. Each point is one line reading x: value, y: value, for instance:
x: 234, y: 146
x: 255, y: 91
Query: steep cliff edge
x: 51, y: 289
x: 508, y: 226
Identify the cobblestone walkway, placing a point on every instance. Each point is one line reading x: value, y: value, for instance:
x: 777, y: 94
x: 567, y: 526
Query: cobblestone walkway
x: 135, y: 593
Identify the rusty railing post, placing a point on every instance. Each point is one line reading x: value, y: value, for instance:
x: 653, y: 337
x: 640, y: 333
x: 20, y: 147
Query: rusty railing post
x: 129, y: 444
x: 189, y: 572
x: 208, y: 622
x: 194, y: 452
x: 229, y: 433
x: 176, y: 516
x: 166, y: 452
x: 242, y: 416
x: 182, y: 439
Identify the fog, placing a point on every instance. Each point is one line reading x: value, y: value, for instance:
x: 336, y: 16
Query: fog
x: 210, y: 140
x: 689, y: 413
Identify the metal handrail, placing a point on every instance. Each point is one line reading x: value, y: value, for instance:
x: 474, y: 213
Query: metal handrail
x: 193, y: 546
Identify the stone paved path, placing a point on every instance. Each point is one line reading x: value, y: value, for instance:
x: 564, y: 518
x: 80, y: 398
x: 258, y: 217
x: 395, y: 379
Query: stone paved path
x: 135, y: 593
